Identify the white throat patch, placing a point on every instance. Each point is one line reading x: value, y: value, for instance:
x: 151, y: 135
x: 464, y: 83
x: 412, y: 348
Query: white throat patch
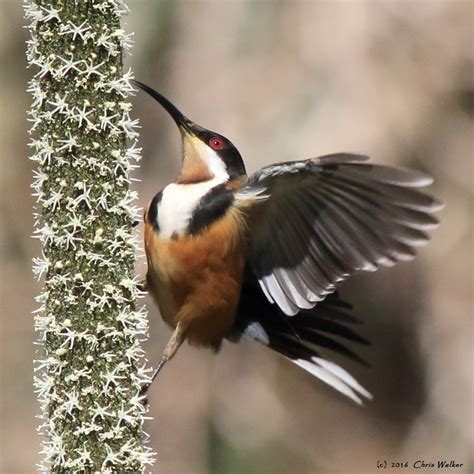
x: 214, y: 163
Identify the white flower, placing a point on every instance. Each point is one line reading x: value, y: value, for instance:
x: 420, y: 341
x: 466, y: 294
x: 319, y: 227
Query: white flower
x: 54, y: 200
x: 38, y: 94
x: 59, y: 104
x: 84, y: 197
x: 50, y: 13
x: 126, y: 41
x: 74, y: 222
x: 39, y: 179
x: 71, y: 403
x: 45, y: 66
x: 75, y: 30
x: 81, y: 115
x: 69, y: 239
x: 107, y: 41
x: 84, y: 456
x: 107, y: 121
x: 91, y: 69
x: 69, y: 64
x: 112, y: 458
x: 46, y: 234
x: 41, y: 265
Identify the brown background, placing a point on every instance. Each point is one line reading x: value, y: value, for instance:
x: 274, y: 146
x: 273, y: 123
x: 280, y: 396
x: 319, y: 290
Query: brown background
x: 284, y: 80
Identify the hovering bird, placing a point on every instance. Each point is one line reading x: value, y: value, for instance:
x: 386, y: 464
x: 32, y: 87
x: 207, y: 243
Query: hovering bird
x: 260, y: 257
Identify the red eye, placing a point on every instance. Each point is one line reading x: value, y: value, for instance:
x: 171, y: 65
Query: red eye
x: 216, y: 143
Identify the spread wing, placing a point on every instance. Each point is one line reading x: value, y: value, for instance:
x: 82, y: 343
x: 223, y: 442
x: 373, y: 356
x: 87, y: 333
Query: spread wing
x: 320, y: 220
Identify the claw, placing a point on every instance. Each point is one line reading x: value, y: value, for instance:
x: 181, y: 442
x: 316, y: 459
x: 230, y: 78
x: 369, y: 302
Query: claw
x: 143, y: 392
x: 142, y: 285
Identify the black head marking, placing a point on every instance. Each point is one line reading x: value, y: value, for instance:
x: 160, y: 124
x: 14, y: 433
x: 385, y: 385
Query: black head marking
x: 228, y: 152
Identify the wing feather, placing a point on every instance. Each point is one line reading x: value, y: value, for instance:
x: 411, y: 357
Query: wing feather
x: 323, y: 219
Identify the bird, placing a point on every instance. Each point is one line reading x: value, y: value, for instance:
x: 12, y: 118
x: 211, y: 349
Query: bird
x: 260, y: 257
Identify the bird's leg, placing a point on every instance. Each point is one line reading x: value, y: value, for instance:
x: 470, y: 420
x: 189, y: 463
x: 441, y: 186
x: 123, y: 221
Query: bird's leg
x: 169, y: 351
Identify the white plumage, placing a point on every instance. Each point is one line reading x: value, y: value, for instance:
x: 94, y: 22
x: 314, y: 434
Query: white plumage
x: 178, y: 203
x: 335, y: 376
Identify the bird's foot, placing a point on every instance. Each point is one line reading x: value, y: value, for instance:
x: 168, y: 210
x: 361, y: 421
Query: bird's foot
x: 143, y: 394
x: 142, y: 285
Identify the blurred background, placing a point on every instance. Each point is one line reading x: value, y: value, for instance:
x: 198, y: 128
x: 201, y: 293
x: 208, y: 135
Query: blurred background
x: 284, y: 80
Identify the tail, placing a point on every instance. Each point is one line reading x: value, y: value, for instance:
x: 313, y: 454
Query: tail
x: 301, y: 338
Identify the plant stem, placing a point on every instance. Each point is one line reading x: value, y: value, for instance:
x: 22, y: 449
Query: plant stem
x: 88, y: 323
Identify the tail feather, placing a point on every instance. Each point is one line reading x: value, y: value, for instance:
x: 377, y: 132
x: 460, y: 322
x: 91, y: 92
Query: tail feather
x: 332, y: 327
x: 325, y: 370
x: 334, y: 376
x: 318, y: 339
x: 301, y: 338
x: 333, y: 309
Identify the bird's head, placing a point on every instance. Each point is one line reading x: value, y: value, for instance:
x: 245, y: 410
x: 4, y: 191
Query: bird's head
x: 206, y: 154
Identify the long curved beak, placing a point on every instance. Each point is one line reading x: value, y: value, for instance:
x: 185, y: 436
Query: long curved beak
x: 183, y: 123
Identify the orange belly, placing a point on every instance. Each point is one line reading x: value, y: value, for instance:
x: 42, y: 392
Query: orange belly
x: 197, y: 280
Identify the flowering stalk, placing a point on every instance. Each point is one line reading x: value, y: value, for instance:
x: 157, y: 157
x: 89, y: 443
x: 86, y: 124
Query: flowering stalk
x: 89, y: 379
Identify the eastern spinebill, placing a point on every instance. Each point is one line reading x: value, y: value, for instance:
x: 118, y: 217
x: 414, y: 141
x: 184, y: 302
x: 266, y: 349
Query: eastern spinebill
x: 260, y: 257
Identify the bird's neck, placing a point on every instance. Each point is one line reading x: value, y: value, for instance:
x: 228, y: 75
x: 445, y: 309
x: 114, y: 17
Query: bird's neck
x: 200, y: 164
x: 194, y: 170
